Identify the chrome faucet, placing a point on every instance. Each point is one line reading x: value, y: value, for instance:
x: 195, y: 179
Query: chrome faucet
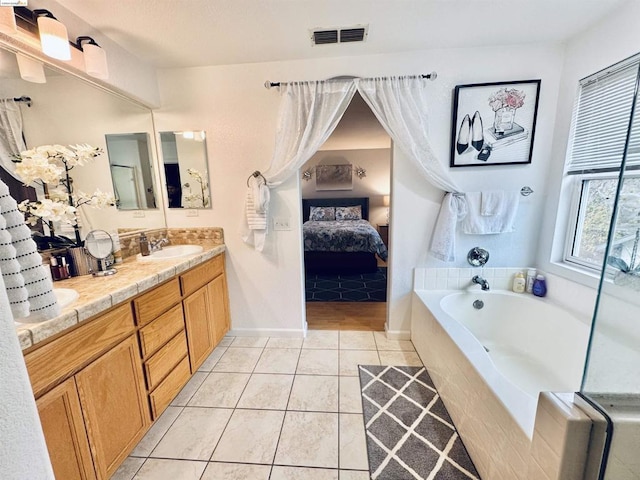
x: 156, y: 245
x: 481, y: 281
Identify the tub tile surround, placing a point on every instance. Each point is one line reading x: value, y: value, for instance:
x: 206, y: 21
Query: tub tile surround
x: 557, y: 449
x: 133, y: 277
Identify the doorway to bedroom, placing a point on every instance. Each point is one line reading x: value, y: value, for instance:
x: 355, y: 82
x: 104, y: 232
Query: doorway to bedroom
x: 345, y: 205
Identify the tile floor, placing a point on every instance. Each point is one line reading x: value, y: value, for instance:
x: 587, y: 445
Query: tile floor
x: 269, y: 409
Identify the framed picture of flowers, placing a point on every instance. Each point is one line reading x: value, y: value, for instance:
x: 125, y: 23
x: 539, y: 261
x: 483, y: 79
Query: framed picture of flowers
x: 494, y: 123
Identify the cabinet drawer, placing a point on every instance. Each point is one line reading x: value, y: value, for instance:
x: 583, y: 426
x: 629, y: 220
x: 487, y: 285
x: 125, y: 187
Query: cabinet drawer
x: 158, y: 366
x: 201, y: 275
x: 169, y: 388
x: 157, y: 301
x: 66, y: 355
x: 161, y: 330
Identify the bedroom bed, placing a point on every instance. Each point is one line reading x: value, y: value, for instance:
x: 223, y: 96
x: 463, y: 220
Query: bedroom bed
x: 338, y: 237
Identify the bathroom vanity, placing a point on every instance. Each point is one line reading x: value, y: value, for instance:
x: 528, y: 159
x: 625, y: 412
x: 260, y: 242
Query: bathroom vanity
x: 101, y: 382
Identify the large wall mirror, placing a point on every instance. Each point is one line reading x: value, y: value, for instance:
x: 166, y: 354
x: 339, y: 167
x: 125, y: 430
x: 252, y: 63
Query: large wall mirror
x: 184, y: 157
x: 67, y: 110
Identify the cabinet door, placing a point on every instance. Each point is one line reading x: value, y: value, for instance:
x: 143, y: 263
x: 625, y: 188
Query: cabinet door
x: 200, y: 328
x: 64, y: 432
x: 217, y: 290
x: 115, y: 406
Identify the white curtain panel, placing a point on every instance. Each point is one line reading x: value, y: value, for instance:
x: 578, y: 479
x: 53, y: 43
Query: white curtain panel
x: 309, y: 113
x: 400, y: 105
x: 11, y: 141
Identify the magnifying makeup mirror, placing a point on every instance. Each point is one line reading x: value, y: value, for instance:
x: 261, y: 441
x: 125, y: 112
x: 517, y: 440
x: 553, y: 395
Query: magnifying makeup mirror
x: 99, y: 244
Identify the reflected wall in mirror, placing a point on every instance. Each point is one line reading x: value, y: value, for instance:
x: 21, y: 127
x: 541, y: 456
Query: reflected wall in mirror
x: 67, y: 110
x: 130, y: 161
x: 184, y: 156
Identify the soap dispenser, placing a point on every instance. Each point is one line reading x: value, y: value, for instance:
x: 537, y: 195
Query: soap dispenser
x: 144, y: 245
x: 519, y: 283
x: 540, y: 286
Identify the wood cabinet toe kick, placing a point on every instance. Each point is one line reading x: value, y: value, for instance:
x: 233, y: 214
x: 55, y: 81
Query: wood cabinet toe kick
x: 101, y: 385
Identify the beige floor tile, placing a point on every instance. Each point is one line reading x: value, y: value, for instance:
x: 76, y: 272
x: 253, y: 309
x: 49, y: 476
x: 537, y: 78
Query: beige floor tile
x: 321, y: 339
x: 314, y: 393
x: 278, y: 360
x: 354, y: 475
x: 350, y: 359
x: 353, y: 445
x: 410, y: 359
x: 128, y: 469
x: 300, y: 473
x: 267, y: 391
x: 220, y: 390
x: 383, y: 343
x: 252, y: 342
x: 357, y: 340
x: 212, y: 359
x: 156, y: 432
x: 318, y: 362
x: 350, y: 396
x: 275, y: 342
x: 194, y: 434
x: 226, y: 341
x: 250, y: 437
x: 238, y: 360
x: 161, y: 469
x: 189, y: 389
x: 236, y: 471
x: 309, y: 439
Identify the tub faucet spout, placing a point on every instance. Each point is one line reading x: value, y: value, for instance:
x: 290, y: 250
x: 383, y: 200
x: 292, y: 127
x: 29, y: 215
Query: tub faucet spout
x: 481, y: 281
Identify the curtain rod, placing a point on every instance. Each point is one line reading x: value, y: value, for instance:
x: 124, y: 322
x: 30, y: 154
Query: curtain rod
x: 23, y: 98
x: 431, y: 76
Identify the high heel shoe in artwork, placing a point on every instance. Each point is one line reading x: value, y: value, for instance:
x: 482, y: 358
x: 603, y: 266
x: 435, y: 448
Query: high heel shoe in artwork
x: 463, y: 135
x: 477, y: 132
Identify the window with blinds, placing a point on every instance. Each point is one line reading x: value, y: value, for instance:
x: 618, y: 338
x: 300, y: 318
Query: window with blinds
x: 602, y: 130
x: 601, y: 120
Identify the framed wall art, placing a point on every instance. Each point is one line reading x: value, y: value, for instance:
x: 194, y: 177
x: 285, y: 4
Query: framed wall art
x: 494, y: 123
x: 334, y: 177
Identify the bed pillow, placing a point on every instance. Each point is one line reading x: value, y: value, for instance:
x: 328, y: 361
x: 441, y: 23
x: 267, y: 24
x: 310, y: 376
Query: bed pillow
x: 349, y: 213
x: 322, y: 213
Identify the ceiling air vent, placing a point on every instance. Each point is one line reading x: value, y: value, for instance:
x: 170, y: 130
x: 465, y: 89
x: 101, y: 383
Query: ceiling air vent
x: 325, y: 36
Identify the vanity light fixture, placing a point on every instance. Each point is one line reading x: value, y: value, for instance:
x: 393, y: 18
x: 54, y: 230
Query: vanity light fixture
x: 54, y: 39
x: 30, y: 70
x: 95, y: 58
x: 8, y: 21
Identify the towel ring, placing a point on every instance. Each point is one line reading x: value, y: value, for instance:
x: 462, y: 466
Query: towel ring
x: 256, y: 174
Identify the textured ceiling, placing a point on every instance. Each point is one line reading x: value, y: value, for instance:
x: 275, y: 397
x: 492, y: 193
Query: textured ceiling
x: 187, y: 33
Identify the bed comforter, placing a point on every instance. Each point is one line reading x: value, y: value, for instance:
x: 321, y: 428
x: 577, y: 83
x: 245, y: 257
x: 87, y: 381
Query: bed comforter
x: 342, y: 236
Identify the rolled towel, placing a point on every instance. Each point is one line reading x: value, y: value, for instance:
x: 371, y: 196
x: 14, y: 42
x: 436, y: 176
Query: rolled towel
x: 40, y: 296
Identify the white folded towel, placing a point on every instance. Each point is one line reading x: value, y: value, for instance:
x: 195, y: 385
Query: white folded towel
x: 502, y: 221
x: 17, y: 246
x: 256, y: 210
x: 492, y: 202
x: 443, y: 239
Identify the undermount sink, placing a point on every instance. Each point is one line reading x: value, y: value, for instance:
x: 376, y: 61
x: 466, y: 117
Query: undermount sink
x: 171, y: 252
x: 65, y: 296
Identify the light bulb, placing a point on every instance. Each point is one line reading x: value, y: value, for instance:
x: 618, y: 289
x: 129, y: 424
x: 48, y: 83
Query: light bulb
x: 54, y: 39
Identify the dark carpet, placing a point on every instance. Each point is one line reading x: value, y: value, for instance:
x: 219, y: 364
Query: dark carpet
x: 364, y: 287
x: 409, y: 432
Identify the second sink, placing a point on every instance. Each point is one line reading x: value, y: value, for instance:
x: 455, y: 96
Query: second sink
x: 170, y: 252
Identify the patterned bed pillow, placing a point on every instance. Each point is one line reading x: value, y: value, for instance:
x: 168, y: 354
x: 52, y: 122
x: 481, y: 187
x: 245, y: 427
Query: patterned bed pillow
x: 322, y: 213
x: 349, y: 213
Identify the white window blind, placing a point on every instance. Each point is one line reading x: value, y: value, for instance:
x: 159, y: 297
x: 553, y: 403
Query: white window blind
x: 601, y: 121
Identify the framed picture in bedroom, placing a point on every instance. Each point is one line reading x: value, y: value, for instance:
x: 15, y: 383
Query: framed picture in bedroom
x: 494, y: 123
x: 334, y: 177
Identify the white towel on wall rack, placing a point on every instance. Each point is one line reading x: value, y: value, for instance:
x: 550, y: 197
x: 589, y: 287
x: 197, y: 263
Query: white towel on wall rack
x: 496, y: 215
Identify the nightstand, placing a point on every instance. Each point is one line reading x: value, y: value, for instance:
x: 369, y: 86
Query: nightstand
x: 383, y: 230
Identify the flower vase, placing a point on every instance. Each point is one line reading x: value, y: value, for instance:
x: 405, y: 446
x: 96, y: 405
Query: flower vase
x: 503, y: 120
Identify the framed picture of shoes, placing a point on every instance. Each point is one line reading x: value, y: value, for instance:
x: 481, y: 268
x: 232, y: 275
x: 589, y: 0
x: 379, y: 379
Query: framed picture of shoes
x: 494, y: 123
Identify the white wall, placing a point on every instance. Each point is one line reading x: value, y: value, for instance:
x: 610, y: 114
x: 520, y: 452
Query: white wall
x: 239, y: 115
x: 377, y: 182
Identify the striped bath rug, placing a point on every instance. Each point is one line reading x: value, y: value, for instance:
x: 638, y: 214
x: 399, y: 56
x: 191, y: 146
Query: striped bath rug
x: 409, y: 432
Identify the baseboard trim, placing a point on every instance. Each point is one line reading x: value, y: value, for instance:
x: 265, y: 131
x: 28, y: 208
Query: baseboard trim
x: 268, y: 332
x: 398, y: 334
